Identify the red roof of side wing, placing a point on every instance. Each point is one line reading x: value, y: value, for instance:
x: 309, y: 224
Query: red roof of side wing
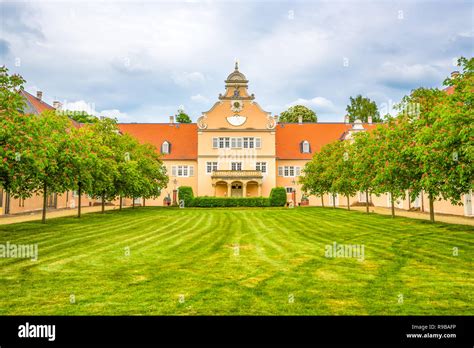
x: 181, y: 136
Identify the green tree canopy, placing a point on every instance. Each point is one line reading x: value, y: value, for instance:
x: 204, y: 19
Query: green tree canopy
x: 182, y: 117
x: 360, y: 108
x: 293, y: 114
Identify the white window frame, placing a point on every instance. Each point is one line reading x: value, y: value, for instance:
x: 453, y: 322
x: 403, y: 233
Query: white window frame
x: 236, y: 165
x: 280, y: 170
x: 258, y: 143
x: 261, y: 166
x: 290, y: 189
x: 210, y: 167
x: 306, y: 146
x: 167, y: 145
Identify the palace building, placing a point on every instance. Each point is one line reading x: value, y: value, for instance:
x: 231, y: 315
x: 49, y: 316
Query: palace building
x: 235, y: 149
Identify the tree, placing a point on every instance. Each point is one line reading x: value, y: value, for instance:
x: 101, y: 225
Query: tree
x: 15, y: 135
x: 182, y: 117
x: 294, y: 113
x: 364, y: 164
x: 443, y: 136
x: 80, y: 116
x: 340, y: 169
x: 83, y: 159
x: 360, y: 108
x: 105, y: 171
x: 52, y: 152
x: 314, y: 181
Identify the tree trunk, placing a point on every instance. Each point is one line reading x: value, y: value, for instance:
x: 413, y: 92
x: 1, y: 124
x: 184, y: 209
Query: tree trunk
x: 422, y: 202
x: 120, y: 204
x: 45, y: 197
x: 79, y: 192
x: 367, y: 201
x: 7, y: 202
x: 322, y: 201
x: 103, y: 203
x: 143, y: 201
x: 348, y: 203
x: 392, y: 201
x: 334, y: 201
x: 432, y: 218
x: 133, y: 202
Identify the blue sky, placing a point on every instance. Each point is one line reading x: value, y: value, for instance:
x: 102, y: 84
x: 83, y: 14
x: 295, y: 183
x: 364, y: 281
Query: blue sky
x: 140, y: 61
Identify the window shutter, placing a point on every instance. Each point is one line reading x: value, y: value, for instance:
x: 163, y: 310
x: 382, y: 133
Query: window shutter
x: 297, y: 171
x: 215, y: 143
x: 301, y: 147
x: 173, y: 171
x: 280, y: 171
x: 169, y: 147
x: 258, y: 143
x: 191, y: 170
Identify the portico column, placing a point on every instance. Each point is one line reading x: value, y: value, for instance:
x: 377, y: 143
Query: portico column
x: 244, y: 189
x: 229, y: 187
x: 259, y: 190
x: 215, y: 189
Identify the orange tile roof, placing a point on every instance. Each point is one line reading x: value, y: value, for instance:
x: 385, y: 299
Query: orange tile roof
x: 37, y: 104
x: 181, y: 136
x: 449, y: 90
x: 290, y: 135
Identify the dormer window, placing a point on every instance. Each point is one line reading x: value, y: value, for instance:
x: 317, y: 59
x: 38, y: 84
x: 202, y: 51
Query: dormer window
x: 165, y: 147
x: 305, y: 147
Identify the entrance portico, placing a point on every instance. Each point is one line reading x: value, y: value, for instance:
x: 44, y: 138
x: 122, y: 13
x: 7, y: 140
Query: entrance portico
x: 237, y: 183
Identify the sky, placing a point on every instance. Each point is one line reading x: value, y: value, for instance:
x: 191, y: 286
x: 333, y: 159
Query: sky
x: 140, y: 61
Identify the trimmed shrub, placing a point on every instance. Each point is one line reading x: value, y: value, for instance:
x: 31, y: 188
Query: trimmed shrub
x: 211, y: 202
x: 278, y: 197
x: 185, y: 193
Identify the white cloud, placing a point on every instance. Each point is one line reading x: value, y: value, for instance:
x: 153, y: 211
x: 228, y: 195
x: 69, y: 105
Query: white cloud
x: 198, y: 98
x: 80, y: 105
x: 185, y: 79
x: 405, y: 75
x: 316, y: 103
x: 114, y: 113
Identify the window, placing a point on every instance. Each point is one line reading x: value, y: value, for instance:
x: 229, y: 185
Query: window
x: 182, y: 171
x: 236, y: 143
x: 289, y: 171
x: 236, y: 166
x: 261, y: 166
x: 223, y: 143
x: 289, y: 190
x: 165, y: 147
x: 305, y: 148
x: 210, y: 167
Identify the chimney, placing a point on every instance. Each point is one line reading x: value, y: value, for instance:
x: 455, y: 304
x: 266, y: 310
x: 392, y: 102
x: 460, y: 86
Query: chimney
x: 300, y: 119
x: 171, y: 119
x: 346, y: 119
x: 57, y: 105
x: 369, y: 120
x: 39, y: 95
x: 454, y: 74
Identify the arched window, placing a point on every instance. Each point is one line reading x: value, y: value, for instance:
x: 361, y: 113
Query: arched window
x: 165, y: 147
x: 305, y: 148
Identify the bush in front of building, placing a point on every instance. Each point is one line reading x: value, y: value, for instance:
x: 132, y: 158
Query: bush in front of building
x: 278, y: 197
x: 215, y: 202
x: 186, y: 193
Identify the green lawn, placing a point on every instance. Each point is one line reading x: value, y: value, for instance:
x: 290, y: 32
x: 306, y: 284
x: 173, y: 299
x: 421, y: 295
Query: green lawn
x: 184, y: 262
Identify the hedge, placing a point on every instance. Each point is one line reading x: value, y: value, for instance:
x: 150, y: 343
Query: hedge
x: 278, y: 197
x: 208, y: 202
x: 185, y: 193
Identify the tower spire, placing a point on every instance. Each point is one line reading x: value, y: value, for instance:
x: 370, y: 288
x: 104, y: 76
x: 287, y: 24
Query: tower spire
x: 236, y: 64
